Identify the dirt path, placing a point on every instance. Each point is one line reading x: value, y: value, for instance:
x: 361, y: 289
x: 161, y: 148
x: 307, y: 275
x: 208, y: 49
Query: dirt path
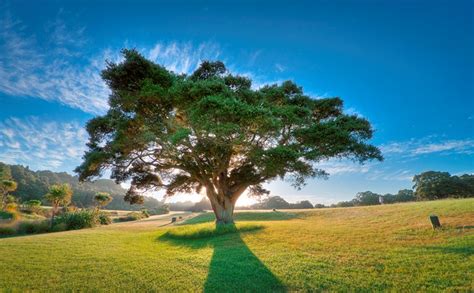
x: 154, y: 222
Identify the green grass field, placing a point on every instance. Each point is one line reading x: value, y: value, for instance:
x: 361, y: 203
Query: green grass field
x: 389, y: 247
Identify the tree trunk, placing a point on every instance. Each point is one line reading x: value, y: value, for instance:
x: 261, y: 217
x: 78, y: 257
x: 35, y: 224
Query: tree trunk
x: 223, y: 210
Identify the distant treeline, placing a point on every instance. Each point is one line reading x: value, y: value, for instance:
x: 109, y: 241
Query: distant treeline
x: 428, y: 185
x: 266, y: 203
x: 35, y: 184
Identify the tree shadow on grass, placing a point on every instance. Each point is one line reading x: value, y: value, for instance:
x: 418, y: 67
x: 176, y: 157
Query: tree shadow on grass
x: 233, y: 266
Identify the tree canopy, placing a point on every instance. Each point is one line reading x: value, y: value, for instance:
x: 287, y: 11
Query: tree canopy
x: 437, y: 185
x: 102, y: 198
x: 211, y: 130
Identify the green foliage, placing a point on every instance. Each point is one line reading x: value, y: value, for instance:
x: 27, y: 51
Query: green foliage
x: 8, y: 215
x: 6, y: 186
x: 34, y: 227
x: 32, y: 203
x: 436, y: 185
x: 366, y: 198
x: 79, y: 219
x: 5, y: 172
x: 212, y: 130
x: 7, y: 231
x: 164, y: 209
x: 32, y: 206
x: 209, y: 230
x: 103, y: 198
x: 104, y: 219
x: 34, y: 184
x: 59, y: 194
x: 403, y: 195
x: 133, y: 216
x: 277, y: 202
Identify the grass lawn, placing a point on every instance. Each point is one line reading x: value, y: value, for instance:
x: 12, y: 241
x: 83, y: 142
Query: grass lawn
x: 390, y: 247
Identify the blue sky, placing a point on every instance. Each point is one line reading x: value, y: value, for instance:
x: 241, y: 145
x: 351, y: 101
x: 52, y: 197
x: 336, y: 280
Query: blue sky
x: 407, y: 66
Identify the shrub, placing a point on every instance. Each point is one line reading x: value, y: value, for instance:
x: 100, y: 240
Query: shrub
x: 79, y: 219
x: 159, y: 211
x: 33, y: 227
x: 9, y: 215
x: 104, y: 219
x: 133, y: 216
x: 7, y: 231
x: 32, y: 207
x: 145, y: 213
x: 59, y: 227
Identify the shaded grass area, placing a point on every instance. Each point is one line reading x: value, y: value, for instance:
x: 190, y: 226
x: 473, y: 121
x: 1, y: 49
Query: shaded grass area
x: 244, y: 216
x: 207, y: 230
x: 379, y: 248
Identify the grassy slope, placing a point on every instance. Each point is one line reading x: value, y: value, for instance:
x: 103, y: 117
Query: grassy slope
x: 377, y: 248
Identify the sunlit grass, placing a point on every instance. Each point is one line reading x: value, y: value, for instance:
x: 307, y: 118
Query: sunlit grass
x: 379, y: 248
x: 245, y: 216
x: 209, y: 230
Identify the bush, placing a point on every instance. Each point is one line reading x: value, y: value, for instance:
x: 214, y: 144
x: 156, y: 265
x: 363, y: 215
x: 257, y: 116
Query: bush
x: 79, y: 219
x: 145, y: 213
x: 36, y: 227
x: 104, y: 219
x: 32, y: 207
x: 7, y: 231
x: 159, y: 211
x: 9, y: 215
x: 59, y: 227
x: 133, y: 216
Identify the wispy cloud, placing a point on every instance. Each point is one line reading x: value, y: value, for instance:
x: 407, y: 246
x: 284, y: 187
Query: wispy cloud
x: 28, y: 68
x: 279, y: 67
x: 182, y: 57
x: 60, y: 68
x: 429, y: 145
x: 339, y: 167
x: 42, y: 144
x: 402, y: 159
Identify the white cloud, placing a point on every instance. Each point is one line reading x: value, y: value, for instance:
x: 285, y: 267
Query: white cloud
x: 58, y: 70
x: 182, y: 57
x: 29, y: 69
x: 42, y: 144
x: 338, y: 167
x: 279, y: 67
x: 353, y: 111
x: 61, y: 69
x: 429, y: 145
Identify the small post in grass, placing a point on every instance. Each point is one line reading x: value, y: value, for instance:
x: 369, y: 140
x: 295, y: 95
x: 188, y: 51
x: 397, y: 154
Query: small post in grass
x: 435, y: 222
x: 173, y: 219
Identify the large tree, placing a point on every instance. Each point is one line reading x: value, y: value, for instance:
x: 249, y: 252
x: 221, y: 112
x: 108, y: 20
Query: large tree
x: 212, y: 131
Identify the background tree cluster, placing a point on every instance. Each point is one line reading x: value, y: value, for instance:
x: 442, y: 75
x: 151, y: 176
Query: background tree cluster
x: 437, y: 185
x: 265, y: 203
x: 33, y: 185
x: 428, y: 185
